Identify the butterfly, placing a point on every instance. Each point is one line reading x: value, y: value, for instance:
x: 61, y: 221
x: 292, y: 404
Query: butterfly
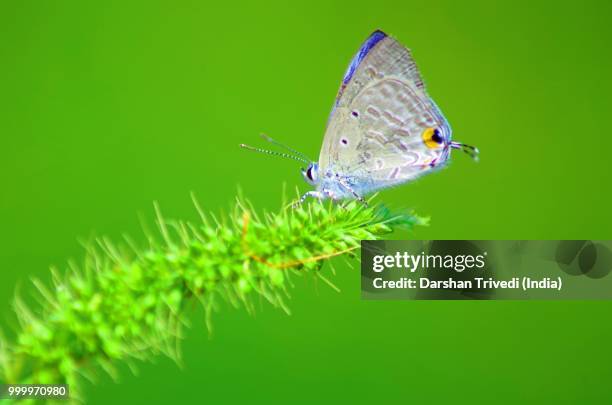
x: 383, y: 130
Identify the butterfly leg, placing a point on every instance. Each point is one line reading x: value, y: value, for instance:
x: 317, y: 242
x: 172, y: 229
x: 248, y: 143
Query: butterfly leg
x: 360, y: 199
x: 353, y: 192
x: 313, y: 194
x: 321, y: 195
x: 329, y: 194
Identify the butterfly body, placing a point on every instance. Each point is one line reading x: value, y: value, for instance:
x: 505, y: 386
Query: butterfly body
x: 383, y: 130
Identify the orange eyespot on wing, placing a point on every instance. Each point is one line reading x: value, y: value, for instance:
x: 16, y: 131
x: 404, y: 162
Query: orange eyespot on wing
x: 432, y: 138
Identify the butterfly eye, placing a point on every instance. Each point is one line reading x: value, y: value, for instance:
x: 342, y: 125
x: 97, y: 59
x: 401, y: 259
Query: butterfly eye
x: 309, y: 173
x: 432, y: 138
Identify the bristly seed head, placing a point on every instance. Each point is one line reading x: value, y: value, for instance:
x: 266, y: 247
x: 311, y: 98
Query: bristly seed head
x: 121, y: 305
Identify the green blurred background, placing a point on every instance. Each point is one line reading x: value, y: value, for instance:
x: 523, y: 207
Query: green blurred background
x: 107, y: 106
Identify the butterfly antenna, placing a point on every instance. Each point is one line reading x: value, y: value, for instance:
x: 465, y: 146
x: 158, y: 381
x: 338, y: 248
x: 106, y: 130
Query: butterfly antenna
x: 277, y: 143
x: 274, y: 153
x: 470, y: 150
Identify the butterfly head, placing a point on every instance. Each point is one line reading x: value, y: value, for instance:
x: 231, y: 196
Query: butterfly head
x: 311, y: 173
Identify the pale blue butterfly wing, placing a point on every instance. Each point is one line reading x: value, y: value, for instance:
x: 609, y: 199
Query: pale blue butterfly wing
x: 375, y: 134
